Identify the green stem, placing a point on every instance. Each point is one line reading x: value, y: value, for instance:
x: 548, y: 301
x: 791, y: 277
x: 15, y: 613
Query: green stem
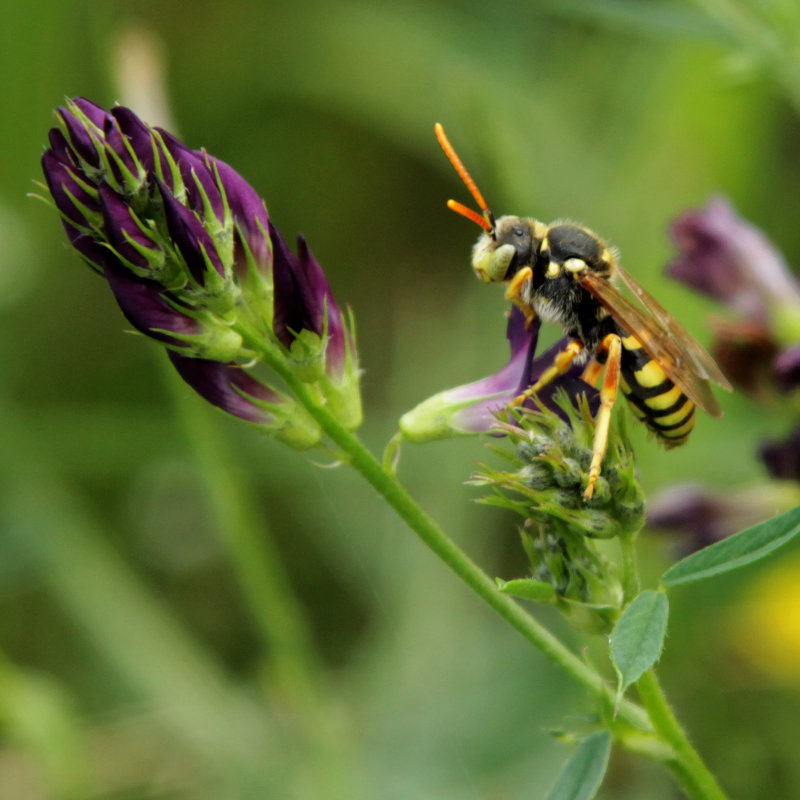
x: 686, y: 763
x: 682, y: 758
x: 434, y: 537
x: 630, y: 572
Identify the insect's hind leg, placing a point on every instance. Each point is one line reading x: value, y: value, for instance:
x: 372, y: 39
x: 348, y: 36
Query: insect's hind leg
x: 561, y: 363
x: 608, y: 397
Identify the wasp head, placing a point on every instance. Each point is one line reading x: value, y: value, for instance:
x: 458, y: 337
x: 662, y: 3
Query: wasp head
x: 512, y: 244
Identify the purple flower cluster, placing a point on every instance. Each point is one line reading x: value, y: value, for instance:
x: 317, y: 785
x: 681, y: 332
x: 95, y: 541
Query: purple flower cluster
x: 194, y: 262
x: 729, y: 259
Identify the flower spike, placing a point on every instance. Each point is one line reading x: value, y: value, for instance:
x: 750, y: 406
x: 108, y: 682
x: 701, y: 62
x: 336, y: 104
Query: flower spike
x: 194, y: 262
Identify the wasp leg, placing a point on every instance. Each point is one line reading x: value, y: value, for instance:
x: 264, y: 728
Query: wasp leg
x: 592, y: 372
x: 608, y: 397
x: 560, y: 365
x: 513, y: 293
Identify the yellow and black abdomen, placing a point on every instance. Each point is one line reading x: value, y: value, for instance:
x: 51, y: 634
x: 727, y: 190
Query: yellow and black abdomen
x: 653, y: 397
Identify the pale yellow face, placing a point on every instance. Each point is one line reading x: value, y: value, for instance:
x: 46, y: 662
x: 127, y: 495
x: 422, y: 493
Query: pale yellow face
x: 512, y: 236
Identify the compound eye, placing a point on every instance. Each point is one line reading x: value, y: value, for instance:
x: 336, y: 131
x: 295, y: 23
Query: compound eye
x: 518, y: 231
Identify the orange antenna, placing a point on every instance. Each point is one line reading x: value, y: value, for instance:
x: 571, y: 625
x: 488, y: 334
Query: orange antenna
x: 486, y: 218
x: 471, y: 215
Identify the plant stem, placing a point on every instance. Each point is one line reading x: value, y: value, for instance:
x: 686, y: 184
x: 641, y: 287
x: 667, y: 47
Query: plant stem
x: 630, y: 573
x: 682, y: 758
x: 437, y: 540
x: 687, y: 765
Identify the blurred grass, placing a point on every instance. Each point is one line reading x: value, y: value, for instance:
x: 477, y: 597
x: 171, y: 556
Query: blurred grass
x: 133, y: 663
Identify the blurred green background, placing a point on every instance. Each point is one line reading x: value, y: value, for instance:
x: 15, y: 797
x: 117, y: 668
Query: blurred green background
x: 144, y: 653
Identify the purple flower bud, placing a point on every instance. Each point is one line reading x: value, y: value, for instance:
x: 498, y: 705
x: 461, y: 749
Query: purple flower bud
x: 304, y: 302
x: 186, y: 246
x: 68, y: 189
x: 229, y: 387
x: 198, y: 178
x: 702, y: 517
x: 137, y: 134
x: 137, y: 169
x: 83, y: 138
x: 722, y: 255
x: 786, y: 369
x: 226, y: 386
x: 144, y: 303
x: 124, y: 234
x: 189, y: 236
x: 249, y: 215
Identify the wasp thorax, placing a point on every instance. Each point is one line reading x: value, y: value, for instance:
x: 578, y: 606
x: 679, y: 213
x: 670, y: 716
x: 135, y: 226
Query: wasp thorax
x: 575, y: 248
x: 510, y: 246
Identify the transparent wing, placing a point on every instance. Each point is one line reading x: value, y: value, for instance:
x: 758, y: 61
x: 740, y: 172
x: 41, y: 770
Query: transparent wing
x: 703, y: 362
x: 683, y: 360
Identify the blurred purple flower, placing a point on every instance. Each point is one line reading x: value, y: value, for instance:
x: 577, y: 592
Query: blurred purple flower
x: 728, y: 258
x: 473, y: 407
x: 745, y: 352
x: 782, y: 458
x: 786, y: 368
x: 702, y: 517
x: 731, y: 260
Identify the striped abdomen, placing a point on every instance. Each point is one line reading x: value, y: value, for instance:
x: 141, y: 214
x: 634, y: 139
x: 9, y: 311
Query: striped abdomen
x: 653, y: 397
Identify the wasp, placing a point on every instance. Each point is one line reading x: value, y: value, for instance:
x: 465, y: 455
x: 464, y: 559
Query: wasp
x: 564, y: 273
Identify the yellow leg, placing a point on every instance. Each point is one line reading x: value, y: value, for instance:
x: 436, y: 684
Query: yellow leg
x: 608, y: 397
x: 513, y: 294
x: 560, y: 365
x: 592, y: 372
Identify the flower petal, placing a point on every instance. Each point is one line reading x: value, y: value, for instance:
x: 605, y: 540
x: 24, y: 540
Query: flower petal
x: 295, y: 301
x: 80, y: 138
x: 248, y: 210
x: 144, y: 305
x: 120, y: 227
x: 225, y: 386
x: 189, y: 236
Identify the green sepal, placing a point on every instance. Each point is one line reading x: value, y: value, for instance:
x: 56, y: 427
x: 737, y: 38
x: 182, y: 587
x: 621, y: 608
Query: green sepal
x: 306, y: 356
x: 290, y: 422
x: 342, y: 389
x: 434, y: 418
x: 528, y: 589
x: 217, y: 342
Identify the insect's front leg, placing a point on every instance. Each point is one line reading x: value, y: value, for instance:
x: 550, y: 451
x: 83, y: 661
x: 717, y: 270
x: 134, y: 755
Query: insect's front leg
x: 561, y: 363
x: 608, y: 397
x: 514, y: 294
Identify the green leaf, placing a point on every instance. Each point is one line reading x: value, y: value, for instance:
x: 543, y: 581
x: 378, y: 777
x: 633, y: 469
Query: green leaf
x: 638, y: 637
x: 583, y: 773
x: 736, y: 551
x: 528, y: 589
